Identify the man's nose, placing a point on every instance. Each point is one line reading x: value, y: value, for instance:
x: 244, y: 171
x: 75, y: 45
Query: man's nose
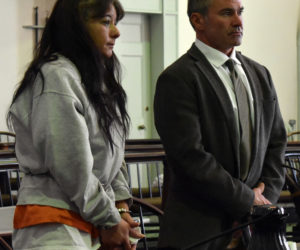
x: 237, y: 20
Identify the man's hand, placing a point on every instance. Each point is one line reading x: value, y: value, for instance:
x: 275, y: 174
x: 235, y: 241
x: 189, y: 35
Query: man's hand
x: 259, y: 198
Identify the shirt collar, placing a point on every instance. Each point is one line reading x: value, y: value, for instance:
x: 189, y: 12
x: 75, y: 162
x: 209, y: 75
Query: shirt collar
x: 215, y: 57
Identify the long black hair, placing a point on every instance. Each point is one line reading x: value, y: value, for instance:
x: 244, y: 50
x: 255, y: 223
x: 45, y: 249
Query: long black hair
x: 66, y: 33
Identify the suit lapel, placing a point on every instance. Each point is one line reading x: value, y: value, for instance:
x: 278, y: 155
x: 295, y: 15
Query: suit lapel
x: 253, y: 80
x: 217, y: 85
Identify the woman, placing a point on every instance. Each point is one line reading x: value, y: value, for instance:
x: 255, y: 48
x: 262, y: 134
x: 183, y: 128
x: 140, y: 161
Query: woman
x: 70, y: 121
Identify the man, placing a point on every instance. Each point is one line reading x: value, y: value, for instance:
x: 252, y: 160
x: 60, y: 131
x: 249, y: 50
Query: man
x: 224, y: 148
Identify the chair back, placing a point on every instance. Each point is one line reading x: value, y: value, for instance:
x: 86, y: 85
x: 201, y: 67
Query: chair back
x: 7, y: 140
x: 292, y: 185
x: 292, y: 161
x: 148, y: 216
x: 9, y: 172
x: 146, y: 162
x: 294, y: 136
x: 9, y: 183
x: 145, y: 167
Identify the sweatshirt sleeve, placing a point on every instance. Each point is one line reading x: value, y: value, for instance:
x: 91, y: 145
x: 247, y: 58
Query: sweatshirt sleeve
x: 60, y: 135
x: 120, y: 185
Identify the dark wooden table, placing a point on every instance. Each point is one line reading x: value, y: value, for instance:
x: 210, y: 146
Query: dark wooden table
x: 7, y: 145
x: 144, y: 156
x: 8, y: 165
x: 293, y: 146
x: 7, y: 153
x: 143, y: 147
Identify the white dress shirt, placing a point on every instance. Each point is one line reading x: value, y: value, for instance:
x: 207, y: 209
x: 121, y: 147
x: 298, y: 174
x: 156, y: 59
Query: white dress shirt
x: 217, y: 59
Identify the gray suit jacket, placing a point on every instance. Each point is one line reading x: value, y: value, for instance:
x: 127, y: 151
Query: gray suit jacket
x: 195, y: 120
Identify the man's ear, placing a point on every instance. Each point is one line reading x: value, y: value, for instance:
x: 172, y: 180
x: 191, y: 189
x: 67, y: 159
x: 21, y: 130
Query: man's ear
x: 197, y: 21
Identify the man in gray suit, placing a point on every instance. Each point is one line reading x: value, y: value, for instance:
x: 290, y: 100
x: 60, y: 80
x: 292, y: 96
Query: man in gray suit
x: 217, y: 169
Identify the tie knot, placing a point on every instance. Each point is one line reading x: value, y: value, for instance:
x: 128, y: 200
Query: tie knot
x: 230, y: 64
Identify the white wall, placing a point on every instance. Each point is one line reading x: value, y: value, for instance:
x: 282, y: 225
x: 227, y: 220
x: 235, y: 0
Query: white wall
x: 16, y: 46
x: 15, y: 49
x: 270, y: 31
x: 270, y: 38
x: 8, y: 58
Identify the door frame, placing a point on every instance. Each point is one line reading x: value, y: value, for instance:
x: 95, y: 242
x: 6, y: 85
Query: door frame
x: 163, y: 15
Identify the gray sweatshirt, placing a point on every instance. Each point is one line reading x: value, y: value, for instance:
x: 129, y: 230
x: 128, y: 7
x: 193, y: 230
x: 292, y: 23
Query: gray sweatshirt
x: 65, y: 157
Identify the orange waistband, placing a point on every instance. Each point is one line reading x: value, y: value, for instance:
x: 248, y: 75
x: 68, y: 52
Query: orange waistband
x: 30, y: 215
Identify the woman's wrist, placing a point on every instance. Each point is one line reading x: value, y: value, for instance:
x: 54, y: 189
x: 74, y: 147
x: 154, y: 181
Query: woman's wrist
x: 124, y: 210
x: 122, y: 204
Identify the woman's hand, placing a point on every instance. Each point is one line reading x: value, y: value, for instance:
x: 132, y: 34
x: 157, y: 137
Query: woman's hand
x: 116, y: 237
x: 133, y: 224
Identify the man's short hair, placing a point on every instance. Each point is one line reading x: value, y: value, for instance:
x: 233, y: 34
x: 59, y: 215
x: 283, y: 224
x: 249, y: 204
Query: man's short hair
x: 200, y: 6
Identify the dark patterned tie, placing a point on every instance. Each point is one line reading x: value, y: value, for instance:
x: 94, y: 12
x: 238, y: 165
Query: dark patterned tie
x: 244, y: 119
